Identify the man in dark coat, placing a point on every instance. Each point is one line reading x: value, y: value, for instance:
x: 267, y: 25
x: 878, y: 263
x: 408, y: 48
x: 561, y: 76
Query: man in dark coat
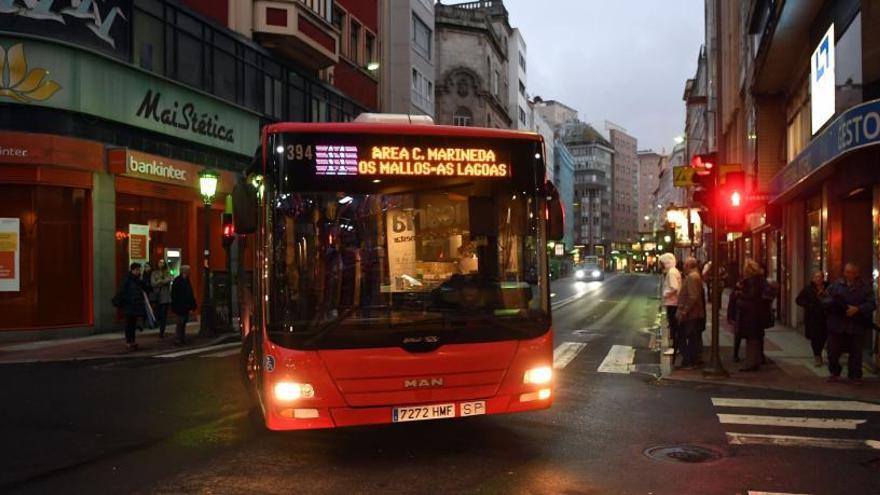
x: 850, y: 306
x: 130, y: 299
x: 182, y: 302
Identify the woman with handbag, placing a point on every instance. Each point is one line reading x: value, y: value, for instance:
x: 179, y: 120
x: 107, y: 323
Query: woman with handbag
x: 815, y: 318
x: 161, y: 279
x: 752, y: 314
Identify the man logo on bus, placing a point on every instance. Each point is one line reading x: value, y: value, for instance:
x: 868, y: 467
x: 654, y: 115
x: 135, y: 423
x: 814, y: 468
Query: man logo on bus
x: 423, y: 382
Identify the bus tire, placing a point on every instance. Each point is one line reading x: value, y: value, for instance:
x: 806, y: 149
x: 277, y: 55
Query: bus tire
x: 249, y: 368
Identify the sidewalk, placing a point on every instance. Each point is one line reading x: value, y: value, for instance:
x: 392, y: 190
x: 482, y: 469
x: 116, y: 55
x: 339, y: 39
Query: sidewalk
x: 107, y: 346
x: 789, y: 365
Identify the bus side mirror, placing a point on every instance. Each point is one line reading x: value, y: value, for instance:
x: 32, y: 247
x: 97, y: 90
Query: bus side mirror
x: 555, y: 214
x: 244, y: 207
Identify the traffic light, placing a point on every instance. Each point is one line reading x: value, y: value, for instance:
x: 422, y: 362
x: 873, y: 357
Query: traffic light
x: 704, y: 164
x: 733, y: 196
x: 228, y: 230
x: 704, y: 194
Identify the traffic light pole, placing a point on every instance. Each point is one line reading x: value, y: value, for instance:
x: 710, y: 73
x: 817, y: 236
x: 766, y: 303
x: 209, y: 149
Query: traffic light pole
x: 715, y: 368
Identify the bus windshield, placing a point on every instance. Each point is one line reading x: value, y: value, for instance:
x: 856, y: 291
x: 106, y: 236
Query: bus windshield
x: 369, y: 261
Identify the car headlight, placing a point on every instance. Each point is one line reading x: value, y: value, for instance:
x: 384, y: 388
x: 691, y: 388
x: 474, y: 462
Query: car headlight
x: 538, y: 376
x: 579, y: 274
x: 596, y: 273
x: 291, y: 391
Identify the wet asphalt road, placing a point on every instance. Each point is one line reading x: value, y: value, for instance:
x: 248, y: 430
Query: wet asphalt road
x: 181, y: 426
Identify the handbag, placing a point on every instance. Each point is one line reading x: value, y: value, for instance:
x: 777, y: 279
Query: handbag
x: 148, y: 312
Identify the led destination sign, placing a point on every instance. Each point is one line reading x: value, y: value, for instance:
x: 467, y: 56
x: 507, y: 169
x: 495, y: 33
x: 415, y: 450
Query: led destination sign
x: 403, y: 161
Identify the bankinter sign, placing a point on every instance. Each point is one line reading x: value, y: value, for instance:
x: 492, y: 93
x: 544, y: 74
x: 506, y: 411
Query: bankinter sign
x: 409, y: 161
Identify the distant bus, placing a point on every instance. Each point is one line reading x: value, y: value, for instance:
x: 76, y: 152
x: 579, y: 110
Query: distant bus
x: 400, y: 274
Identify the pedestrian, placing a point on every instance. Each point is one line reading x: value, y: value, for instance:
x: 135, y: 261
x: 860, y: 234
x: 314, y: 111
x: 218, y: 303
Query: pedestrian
x: 815, y: 319
x: 753, y: 315
x: 146, y: 283
x: 130, y: 299
x: 161, y: 282
x: 850, y: 306
x: 732, y: 315
x: 669, y: 292
x: 691, y: 314
x: 182, y: 302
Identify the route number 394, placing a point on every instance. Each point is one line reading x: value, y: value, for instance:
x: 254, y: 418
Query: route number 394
x: 299, y: 152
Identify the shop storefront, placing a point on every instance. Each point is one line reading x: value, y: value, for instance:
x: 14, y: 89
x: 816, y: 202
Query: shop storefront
x: 160, y: 213
x: 830, y: 196
x: 45, y: 230
x: 75, y: 212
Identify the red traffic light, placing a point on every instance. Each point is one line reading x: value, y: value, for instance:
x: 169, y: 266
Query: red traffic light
x: 735, y: 199
x: 228, y: 230
x: 704, y: 163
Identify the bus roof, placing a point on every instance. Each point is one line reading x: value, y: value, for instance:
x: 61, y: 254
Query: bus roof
x: 406, y: 129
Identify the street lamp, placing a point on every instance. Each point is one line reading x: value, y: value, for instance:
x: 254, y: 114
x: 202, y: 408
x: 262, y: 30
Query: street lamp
x: 208, y: 187
x: 373, y: 66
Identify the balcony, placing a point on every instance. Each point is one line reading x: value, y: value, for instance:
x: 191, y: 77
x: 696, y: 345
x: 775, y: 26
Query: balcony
x: 297, y: 32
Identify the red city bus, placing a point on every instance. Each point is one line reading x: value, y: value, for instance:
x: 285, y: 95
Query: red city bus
x: 400, y: 273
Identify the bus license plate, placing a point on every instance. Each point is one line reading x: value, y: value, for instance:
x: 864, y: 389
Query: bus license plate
x: 421, y: 413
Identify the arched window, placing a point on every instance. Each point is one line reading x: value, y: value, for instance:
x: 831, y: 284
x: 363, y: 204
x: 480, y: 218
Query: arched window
x: 463, y: 117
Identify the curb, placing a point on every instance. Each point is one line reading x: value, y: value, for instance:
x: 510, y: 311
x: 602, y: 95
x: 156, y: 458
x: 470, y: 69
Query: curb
x: 223, y: 339
x: 764, y: 387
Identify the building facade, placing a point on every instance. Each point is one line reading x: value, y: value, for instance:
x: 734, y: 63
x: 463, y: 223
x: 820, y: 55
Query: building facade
x: 803, y: 118
x: 472, y: 85
x: 102, y: 140
x: 650, y: 165
x: 563, y: 163
x: 555, y: 113
x: 408, y: 57
x: 517, y: 99
x: 624, y: 189
x: 593, y: 158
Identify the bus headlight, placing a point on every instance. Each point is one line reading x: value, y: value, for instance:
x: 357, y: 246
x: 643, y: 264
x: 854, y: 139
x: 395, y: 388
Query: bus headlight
x: 596, y: 273
x: 538, y: 376
x: 291, y: 391
x: 579, y: 274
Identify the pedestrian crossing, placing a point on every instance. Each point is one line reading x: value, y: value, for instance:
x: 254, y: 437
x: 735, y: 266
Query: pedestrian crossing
x: 800, y: 423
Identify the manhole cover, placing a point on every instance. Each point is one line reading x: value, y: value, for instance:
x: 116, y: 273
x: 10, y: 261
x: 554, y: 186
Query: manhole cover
x: 688, y: 454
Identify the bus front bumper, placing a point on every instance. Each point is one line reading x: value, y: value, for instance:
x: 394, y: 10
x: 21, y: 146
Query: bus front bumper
x: 301, y: 417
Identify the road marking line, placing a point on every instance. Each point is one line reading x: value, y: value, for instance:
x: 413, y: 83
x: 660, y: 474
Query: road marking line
x: 796, y: 441
x: 752, y: 492
x: 198, y: 350
x: 798, y: 422
x: 565, y: 353
x: 809, y: 405
x: 222, y: 354
x: 618, y: 360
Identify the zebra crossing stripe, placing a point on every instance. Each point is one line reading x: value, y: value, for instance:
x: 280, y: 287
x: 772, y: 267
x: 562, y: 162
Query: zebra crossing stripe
x: 565, y: 353
x: 618, y: 360
x: 806, y: 405
x: 797, y: 422
x: 798, y: 441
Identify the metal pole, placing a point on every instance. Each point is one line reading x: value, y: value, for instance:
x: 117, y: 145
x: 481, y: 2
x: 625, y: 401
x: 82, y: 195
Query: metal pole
x: 205, y: 325
x: 715, y: 368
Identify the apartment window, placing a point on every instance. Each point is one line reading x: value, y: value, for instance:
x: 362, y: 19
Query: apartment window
x: 338, y: 20
x: 354, y: 41
x: 522, y: 116
x: 317, y: 6
x: 421, y: 37
x: 522, y: 89
x: 422, y: 89
x: 370, y: 47
x: 462, y: 117
x: 522, y: 62
x: 496, y: 77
